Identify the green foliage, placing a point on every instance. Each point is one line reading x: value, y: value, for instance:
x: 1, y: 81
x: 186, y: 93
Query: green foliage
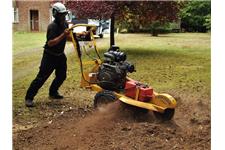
x: 159, y: 28
x: 207, y: 23
x: 195, y: 16
x: 154, y: 28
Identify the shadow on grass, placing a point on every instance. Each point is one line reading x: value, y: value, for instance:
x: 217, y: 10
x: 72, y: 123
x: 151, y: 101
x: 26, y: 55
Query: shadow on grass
x: 153, y: 53
x: 150, y: 35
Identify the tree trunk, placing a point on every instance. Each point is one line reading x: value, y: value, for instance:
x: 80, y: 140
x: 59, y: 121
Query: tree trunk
x: 154, y: 33
x: 112, y: 40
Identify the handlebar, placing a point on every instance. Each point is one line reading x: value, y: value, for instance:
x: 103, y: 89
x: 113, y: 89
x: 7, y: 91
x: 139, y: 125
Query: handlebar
x: 83, y: 25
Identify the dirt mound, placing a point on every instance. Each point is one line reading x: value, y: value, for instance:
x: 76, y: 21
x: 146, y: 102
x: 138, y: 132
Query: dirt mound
x: 116, y: 127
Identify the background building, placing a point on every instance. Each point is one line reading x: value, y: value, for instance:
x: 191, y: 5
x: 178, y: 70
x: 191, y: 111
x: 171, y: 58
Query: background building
x: 33, y: 15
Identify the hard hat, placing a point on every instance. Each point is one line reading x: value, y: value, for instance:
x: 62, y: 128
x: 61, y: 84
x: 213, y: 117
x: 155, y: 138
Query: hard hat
x: 58, y: 8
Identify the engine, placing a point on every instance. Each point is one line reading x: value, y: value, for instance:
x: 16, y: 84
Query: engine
x: 113, y: 71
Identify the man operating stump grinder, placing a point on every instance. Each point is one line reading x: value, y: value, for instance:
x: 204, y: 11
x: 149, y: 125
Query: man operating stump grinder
x: 53, y: 58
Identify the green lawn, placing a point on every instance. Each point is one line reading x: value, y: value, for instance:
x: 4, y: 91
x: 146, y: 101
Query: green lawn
x: 169, y: 61
x: 24, y: 40
x: 172, y: 62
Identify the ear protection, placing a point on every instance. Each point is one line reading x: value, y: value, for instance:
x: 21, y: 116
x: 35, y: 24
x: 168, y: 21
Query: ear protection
x: 54, y: 12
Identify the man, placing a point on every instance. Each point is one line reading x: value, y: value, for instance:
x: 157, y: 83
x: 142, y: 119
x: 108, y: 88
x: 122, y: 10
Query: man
x: 53, y: 58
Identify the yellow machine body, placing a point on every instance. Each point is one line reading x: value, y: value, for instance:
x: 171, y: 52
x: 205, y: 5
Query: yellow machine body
x: 158, y: 103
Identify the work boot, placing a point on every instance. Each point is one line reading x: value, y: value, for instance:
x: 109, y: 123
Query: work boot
x: 29, y: 103
x: 55, y: 96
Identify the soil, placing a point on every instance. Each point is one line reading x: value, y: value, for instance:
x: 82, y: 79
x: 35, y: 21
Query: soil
x: 119, y: 128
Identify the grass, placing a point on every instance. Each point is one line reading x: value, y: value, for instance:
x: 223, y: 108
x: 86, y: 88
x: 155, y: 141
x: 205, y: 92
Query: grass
x: 169, y: 61
x: 27, y: 40
x: 178, y: 62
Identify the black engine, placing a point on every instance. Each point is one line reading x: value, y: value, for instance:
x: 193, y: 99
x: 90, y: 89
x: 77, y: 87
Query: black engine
x: 113, y: 71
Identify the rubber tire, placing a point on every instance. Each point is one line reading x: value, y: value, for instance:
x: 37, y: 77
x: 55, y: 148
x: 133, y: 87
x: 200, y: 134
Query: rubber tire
x: 166, y: 116
x: 104, y: 97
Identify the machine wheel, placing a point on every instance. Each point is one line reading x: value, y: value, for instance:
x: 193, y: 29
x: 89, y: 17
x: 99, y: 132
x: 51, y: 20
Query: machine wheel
x: 104, y: 97
x: 167, y: 115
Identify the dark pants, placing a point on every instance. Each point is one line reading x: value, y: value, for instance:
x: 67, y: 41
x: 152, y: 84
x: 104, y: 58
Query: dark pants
x: 49, y: 63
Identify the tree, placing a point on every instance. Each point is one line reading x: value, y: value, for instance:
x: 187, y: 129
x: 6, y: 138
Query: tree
x: 98, y: 10
x: 195, y: 16
x: 143, y: 12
